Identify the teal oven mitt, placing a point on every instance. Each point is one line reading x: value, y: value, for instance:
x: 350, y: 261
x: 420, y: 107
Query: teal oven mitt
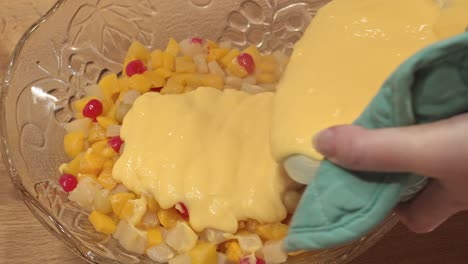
x: 340, y: 206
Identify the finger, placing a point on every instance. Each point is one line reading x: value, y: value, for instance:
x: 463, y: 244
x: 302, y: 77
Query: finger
x: 423, y: 149
x: 428, y: 210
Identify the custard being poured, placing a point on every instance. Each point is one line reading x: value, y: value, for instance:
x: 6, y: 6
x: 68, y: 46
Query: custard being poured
x: 218, y: 152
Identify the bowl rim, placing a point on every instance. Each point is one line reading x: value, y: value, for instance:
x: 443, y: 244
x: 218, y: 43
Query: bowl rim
x: 33, y: 205
x: 57, y: 229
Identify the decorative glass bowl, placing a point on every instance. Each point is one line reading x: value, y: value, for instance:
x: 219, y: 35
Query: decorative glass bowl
x: 78, y: 41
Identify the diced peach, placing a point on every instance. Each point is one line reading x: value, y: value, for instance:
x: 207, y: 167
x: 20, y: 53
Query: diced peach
x: 105, y: 121
x: 96, y: 133
x: 109, y: 85
x: 124, y: 84
x: 236, y: 69
x: 272, y: 231
x: 212, y: 80
x: 230, y: 57
x: 216, y: 54
x: 91, y: 163
x: 185, y: 65
x: 266, y: 78
x: 119, y: 200
x: 168, y: 61
x: 102, y: 223
x: 169, y: 217
x: 138, y: 51
x: 154, y: 237
x: 165, y: 73
x: 204, y: 253
x: 157, y: 80
x: 173, y: 47
x: 156, y: 59
x: 140, y: 82
x: 73, y: 166
x: 233, y: 251
x: 73, y: 143
x: 106, y: 180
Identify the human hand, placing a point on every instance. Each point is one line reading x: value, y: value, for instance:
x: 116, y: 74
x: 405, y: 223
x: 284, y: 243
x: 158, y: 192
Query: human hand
x: 437, y: 150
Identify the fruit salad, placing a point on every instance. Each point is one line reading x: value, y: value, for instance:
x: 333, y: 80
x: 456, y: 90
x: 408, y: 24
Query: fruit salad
x: 93, y: 144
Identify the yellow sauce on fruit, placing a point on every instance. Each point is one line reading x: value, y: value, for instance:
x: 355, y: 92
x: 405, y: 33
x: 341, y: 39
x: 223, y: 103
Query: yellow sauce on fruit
x: 208, y: 149
x: 211, y: 149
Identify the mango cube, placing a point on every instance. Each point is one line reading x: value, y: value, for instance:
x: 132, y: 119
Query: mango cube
x: 102, y: 223
x: 230, y: 57
x: 157, y: 80
x: 169, y: 217
x: 272, y: 231
x: 204, y: 253
x: 233, y: 251
x: 91, y: 163
x: 212, y: 80
x: 216, y: 54
x: 96, y: 133
x: 168, y: 61
x: 106, y: 179
x: 165, y: 73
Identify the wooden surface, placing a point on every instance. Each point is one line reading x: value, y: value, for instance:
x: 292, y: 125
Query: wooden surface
x: 24, y: 240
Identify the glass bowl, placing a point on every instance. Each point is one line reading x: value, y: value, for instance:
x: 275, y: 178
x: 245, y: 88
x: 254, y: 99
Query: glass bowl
x: 78, y: 41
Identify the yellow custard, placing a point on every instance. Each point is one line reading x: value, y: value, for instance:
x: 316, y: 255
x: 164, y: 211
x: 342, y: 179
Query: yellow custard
x: 208, y: 149
x: 346, y: 54
x: 218, y: 152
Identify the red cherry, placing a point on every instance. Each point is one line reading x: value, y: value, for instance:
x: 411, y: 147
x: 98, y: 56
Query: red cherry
x: 260, y: 261
x: 156, y: 89
x: 246, y: 61
x: 135, y: 67
x: 115, y: 143
x: 68, y: 182
x: 182, y: 208
x: 197, y: 40
x: 93, y: 109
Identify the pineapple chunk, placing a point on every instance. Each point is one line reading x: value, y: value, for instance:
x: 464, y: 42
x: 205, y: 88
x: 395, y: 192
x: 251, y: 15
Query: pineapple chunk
x: 133, y: 210
x: 169, y: 217
x: 109, y: 85
x: 181, y: 238
x: 84, y: 192
x: 233, y: 251
x: 96, y: 133
x: 181, y: 259
x: 156, y: 59
x: 102, y: 223
x: 173, y: 47
x: 250, y: 243
x: 73, y: 143
x: 119, y: 200
x: 154, y: 237
x: 274, y: 253
x: 105, y: 121
x: 275, y: 231
x: 149, y: 220
x: 185, y: 65
x: 161, y: 253
x: 140, y: 82
x: 204, y: 253
x: 138, y: 51
x: 81, y: 124
x: 214, y: 236
x: 101, y: 202
x: 131, y: 238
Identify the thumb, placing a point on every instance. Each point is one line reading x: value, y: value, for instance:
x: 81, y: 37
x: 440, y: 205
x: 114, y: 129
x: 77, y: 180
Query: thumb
x: 427, y: 150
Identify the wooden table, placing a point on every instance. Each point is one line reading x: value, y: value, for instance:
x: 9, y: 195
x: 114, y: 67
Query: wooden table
x: 24, y: 240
